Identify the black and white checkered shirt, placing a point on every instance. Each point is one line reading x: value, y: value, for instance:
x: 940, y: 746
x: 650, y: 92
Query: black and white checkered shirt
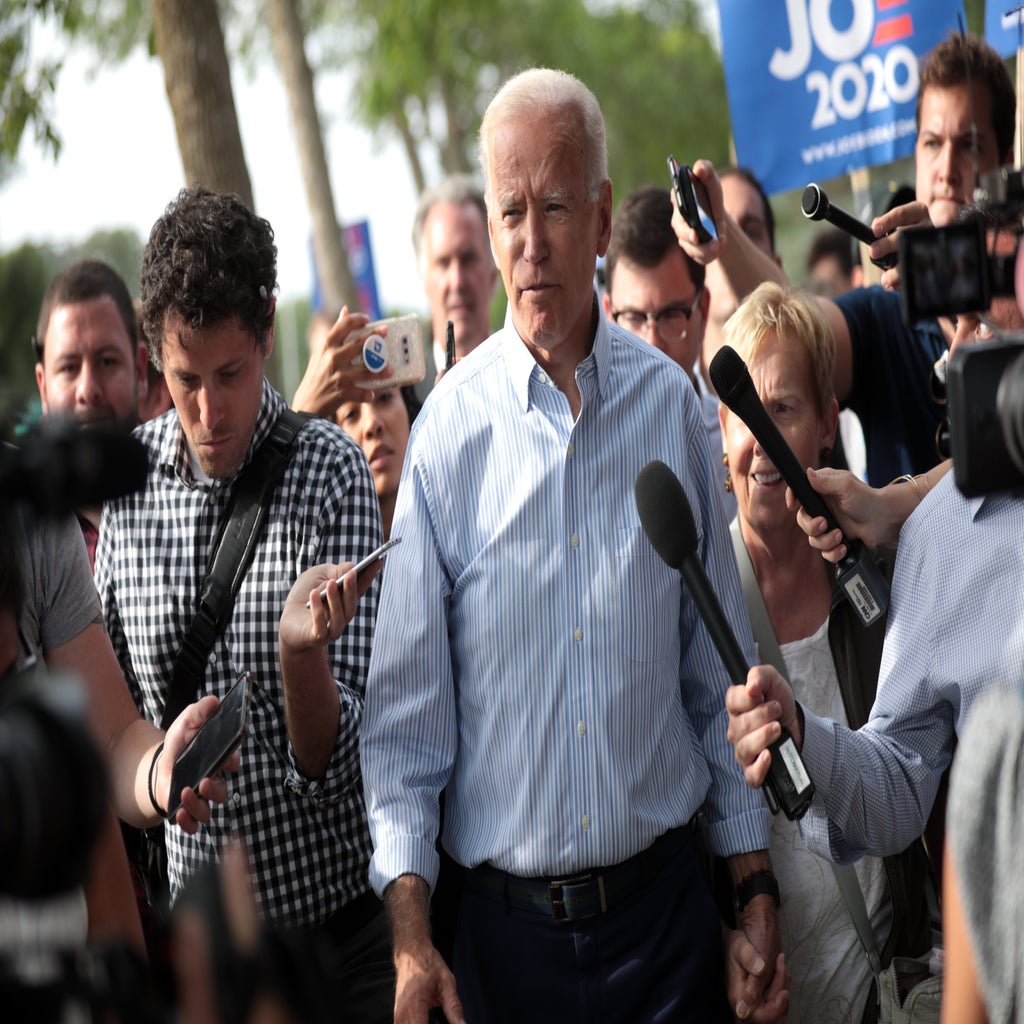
x: 307, y: 840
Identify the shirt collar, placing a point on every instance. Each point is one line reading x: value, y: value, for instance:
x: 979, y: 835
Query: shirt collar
x: 522, y: 366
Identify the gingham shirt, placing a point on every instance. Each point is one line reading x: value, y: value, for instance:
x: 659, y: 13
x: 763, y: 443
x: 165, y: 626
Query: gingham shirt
x: 307, y: 840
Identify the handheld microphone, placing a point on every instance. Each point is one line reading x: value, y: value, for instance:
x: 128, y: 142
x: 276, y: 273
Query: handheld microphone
x: 667, y: 520
x: 816, y: 206
x: 862, y: 582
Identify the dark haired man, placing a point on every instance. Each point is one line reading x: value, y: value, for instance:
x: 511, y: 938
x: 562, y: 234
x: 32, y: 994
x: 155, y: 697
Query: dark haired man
x: 90, y: 364
x: 208, y: 282
x: 883, y: 366
x: 657, y: 291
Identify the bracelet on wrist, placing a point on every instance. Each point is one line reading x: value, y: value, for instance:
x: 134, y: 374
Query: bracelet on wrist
x: 152, y: 771
x: 759, y: 883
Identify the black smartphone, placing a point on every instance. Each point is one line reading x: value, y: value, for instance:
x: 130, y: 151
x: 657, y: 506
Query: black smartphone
x: 214, y: 743
x: 692, y: 199
x: 449, y: 346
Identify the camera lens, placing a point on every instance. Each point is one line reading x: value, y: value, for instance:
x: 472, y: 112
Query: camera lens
x: 53, y: 790
x: 1010, y: 406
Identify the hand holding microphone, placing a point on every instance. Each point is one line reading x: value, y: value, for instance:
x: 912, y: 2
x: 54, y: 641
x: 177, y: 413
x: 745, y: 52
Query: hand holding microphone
x: 861, y: 581
x: 667, y: 520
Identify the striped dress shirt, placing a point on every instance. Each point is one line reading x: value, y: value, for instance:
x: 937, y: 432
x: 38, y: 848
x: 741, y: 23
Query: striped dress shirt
x: 533, y: 653
x: 955, y: 631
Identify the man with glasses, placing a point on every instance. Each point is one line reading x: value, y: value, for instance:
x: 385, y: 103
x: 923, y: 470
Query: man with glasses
x: 656, y: 291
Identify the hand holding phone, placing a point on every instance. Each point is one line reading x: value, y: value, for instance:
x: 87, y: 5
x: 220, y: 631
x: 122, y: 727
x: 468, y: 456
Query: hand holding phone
x: 400, y: 347
x: 213, y: 743
x: 365, y: 563
x: 692, y: 200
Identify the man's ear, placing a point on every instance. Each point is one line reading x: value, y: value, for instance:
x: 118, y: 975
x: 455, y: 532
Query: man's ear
x: 41, y: 384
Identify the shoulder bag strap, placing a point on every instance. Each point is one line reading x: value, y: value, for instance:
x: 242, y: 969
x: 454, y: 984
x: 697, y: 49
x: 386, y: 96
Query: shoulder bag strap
x: 232, y: 554
x: 768, y: 652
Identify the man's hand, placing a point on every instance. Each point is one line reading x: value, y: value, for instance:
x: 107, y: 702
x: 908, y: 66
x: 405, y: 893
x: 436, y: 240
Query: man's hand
x: 875, y: 515
x: 334, y: 367
x: 707, y: 252
x: 755, y: 710
x: 746, y: 971
x: 909, y: 215
x: 854, y: 505
x: 195, y: 803
x: 423, y: 980
x: 302, y: 628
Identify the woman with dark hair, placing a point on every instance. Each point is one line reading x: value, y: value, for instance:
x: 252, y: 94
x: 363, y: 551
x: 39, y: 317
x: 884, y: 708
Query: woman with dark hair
x: 381, y: 428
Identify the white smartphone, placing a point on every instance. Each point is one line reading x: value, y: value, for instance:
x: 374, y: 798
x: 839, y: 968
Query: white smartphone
x: 401, y: 348
x: 365, y: 563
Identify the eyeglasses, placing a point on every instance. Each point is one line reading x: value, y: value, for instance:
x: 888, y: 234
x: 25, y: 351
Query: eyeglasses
x: 670, y: 323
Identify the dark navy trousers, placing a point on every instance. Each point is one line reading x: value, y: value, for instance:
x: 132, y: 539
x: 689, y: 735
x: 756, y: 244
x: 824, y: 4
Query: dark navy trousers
x: 655, y: 957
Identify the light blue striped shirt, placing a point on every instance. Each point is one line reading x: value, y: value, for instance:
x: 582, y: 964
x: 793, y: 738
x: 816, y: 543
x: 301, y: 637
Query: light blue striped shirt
x: 532, y: 651
x: 955, y: 631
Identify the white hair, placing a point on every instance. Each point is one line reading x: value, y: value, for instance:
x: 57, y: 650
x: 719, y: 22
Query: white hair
x: 530, y: 93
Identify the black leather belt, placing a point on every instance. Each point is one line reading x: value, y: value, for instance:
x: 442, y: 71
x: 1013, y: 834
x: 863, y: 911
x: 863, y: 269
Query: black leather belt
x: 583, y: 895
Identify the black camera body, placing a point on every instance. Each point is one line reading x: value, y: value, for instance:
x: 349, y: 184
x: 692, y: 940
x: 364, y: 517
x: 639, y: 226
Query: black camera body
x: 950, y: 270
x: 983, y: 459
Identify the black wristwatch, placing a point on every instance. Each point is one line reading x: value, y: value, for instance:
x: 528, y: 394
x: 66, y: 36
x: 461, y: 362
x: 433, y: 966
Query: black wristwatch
x: 760, y: 883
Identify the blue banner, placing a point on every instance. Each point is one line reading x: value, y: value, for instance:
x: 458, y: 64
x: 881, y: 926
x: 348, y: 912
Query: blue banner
x: 819, y: 88
x: 360, y: 265
x: 1003, y: 21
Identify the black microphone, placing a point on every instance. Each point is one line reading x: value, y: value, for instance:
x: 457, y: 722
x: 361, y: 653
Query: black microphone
x: 667, y: 520
x: 816, y: 206
x: 862, y: 582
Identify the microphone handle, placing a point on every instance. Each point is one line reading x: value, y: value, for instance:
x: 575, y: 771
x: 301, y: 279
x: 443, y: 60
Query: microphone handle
x: 787, y: 786
x: 852, y: 226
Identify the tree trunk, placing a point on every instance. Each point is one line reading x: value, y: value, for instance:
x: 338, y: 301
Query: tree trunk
x: 190, y: 43
x: 336, y: 285
x: 411, y: 151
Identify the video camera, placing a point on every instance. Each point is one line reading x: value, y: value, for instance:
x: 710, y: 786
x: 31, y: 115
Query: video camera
x: 964, y: 268
x: 60, y: 465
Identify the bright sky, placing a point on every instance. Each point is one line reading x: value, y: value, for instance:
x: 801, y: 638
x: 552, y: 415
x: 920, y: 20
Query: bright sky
x: 119, y: 167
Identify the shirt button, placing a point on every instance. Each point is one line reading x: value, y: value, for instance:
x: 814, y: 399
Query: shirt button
x: 213, y: 659
x: 236, y: 799
x: 571, y: 450
x: 581, y: 728
x: 585, y: 822
x: 575, y: 540
x: 578, y: 634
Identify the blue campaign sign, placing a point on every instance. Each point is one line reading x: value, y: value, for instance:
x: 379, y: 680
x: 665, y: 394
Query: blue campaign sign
x: 818, y: 88
x: 360, y: 265
x: 1004, y: 22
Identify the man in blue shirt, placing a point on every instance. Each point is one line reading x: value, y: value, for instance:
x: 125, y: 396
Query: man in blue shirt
x: 535, y: 658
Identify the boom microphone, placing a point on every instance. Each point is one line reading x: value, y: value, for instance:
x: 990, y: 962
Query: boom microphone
x: 865, y: 587
x: 667, y: 520
x: 816, y: 206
